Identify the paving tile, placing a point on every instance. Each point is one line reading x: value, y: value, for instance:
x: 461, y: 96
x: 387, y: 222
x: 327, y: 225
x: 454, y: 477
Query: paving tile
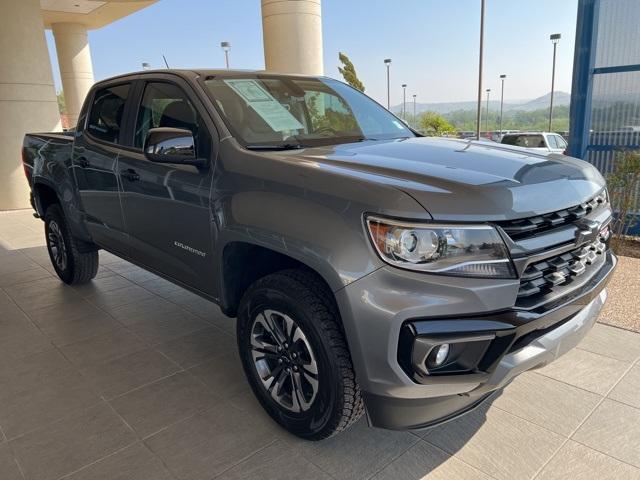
x: 612, y: 342
x: 497, y: 442
x: 24, y: 276
x: 586, y: 370
x: 152, y: 407
x: 40, y: 389
x: 15, y: 263
x: 29, y: 341
x: 628, y: 390
x: 121, y: 296
x: 614, y: 429
x: 27, y: 407
x: 547, y: 402
x: 146, y: 309
x: 129, y: 372
x: 358, y: 452
x: 167, y: 326
x: 73, y: 321
x: 224, y: 374
x: 9, y: 469
x: 158, y: 285
x: 577, y: 461
x: 13, y: 321
x: 423, y: 460
x: 102, y: 285
x: 103, y: 348
x: 211, y: 442
x: 196, y: 347
x: 275, y: 461
x: 133, y: 463
x: 33, y: 368
x: 66, y: 446
x: 40, y: 293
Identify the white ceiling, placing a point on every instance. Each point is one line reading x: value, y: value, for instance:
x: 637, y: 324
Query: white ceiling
x: 71, y: 6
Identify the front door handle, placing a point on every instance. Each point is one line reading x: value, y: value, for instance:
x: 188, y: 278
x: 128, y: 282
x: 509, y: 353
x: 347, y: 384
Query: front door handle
x: 130, y: 174
x: 82, y: 162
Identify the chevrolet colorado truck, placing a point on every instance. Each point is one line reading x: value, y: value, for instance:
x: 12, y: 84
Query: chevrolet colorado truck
x: 370, y: 270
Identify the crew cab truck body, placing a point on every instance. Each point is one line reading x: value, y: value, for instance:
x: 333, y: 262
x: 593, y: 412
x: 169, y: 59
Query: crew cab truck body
x: 369, y: 269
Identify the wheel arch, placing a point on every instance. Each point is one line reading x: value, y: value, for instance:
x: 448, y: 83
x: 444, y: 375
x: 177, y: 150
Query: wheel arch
x: 243, y: 263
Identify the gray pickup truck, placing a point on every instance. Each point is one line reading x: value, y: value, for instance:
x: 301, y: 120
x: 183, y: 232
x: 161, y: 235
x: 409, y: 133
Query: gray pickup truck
x: 370, y: 269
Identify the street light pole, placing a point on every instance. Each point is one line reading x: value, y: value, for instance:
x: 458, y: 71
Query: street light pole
x: 387, y: 62
x: 555, y: 38
x: 226, y: 46
x: 502, y: 77
x: 479, y: 113
x: 414, y: 109
x: 404, y: 101
x: 486, y: 119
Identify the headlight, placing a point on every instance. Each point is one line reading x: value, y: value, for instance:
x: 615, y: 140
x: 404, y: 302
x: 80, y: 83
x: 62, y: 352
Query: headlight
x: 462, y: 250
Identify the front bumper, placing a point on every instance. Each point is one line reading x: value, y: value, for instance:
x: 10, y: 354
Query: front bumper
x: 395, y: 399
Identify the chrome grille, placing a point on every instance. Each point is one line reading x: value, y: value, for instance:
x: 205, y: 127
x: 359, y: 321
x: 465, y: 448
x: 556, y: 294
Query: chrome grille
x: 543, y: 276
x: 528, y: 227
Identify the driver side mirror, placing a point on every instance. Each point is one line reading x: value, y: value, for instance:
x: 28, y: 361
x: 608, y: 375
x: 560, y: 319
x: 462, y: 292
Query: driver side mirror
x: 171, y: 145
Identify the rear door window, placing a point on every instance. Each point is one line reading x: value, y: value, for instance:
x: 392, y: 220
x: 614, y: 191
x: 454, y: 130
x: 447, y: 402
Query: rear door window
x: 107, y: 112
x: 526, y: 141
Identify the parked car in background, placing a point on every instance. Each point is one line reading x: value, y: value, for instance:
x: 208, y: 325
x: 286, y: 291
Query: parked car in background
x: 498, y: 134
x: 543, y: 141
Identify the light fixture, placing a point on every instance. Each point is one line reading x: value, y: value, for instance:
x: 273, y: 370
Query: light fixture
x: 442, y: 351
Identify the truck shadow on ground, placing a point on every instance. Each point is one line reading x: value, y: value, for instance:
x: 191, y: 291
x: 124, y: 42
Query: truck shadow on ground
x: 362, y: 452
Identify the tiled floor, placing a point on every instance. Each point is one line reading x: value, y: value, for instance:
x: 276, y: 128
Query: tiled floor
x: 130, y: 377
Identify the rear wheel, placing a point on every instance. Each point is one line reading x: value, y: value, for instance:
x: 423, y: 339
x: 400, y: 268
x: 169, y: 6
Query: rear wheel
x: 72, y: 265
x: 295, y: 355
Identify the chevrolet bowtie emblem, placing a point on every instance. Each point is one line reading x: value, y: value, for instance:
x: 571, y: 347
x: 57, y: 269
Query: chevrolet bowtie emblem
x: 588, y: 231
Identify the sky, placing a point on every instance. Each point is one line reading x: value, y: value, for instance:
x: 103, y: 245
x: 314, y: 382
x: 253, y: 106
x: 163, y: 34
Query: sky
x: 433, y: 44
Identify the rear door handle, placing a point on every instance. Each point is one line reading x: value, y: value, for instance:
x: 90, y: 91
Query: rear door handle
x: 82, y: 162
x: 130, y: 174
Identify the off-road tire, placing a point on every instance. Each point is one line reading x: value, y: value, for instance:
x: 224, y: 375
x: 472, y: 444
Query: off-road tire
x: 306, y: 299
x: 81, y: 260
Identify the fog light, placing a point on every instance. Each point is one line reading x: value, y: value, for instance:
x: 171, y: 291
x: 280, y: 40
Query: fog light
x: 441, y: 354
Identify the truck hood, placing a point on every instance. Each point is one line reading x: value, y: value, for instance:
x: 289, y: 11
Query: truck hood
x: 466, y: 180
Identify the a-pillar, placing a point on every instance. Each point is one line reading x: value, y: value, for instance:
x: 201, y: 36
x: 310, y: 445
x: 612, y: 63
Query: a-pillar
x: 27, y: 95
x: 76, y: 71
x: 292, y: 31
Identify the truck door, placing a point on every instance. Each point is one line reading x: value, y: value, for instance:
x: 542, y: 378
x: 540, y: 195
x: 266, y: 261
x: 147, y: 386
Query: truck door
x: 95, y: 158
x: 166, y: 206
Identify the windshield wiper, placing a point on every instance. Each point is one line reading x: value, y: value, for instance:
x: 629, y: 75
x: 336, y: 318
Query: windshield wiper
x: 280, y: 146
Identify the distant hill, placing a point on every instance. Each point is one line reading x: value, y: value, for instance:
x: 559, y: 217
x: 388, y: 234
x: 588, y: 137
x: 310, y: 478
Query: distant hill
x: 559, y: 99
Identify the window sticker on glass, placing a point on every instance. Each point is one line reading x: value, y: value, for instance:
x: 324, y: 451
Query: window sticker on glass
x: 271, y: 111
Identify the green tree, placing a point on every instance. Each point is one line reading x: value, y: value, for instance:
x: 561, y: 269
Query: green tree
x: 348, y: 72
x: 624, y: 185
x: 434, y: 124
x: 62, y: 106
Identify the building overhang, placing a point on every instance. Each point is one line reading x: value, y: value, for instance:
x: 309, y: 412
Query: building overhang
x: 90, y: 13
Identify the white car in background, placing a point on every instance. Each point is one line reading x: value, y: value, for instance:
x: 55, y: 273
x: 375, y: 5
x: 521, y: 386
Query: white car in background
x: 543, y: 141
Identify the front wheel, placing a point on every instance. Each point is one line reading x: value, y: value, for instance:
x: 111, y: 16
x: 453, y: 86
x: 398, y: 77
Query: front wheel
x: 295, y: 355
x: 72, y: 265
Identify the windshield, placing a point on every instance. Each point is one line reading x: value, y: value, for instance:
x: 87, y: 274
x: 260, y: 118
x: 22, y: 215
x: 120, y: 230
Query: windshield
x: 289, y: 112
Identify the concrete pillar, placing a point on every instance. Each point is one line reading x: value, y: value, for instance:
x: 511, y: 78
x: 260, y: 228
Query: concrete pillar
x: 76, y: 71
x: 27, y: 96
x: 292, y: 31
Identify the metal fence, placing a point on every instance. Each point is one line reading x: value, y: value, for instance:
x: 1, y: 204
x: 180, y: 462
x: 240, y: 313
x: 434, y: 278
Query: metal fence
x: 605, y: 96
